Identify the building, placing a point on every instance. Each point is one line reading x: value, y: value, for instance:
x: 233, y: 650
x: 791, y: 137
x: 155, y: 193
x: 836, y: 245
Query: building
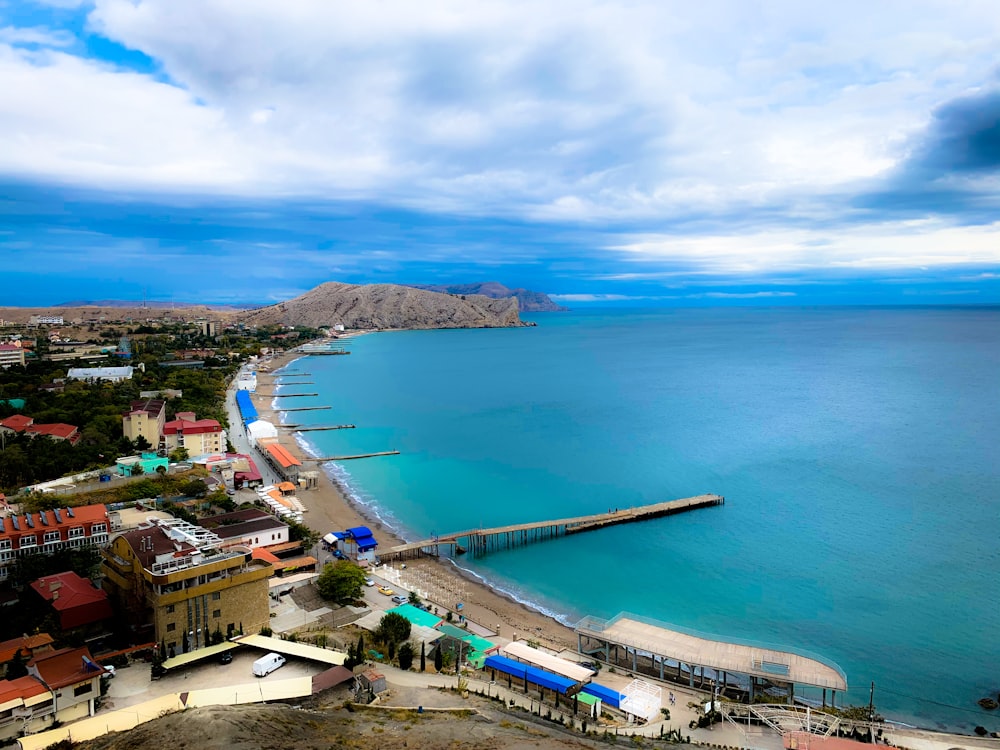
x: 25, y: 707
x: 198, y: 436
x: 145, y: 463
x: 208, y: 328
x: 50, y: 530
x: 11, y: 354
x: 107, y: 374
x: 15, y: 424
x: 184, y: 581
x: 72, y: 677
x: 145, y: 419
x: 45, y: 320
x: 56, y: 431
x: 27, y: 645
x: 75, y: 600
x: 251, y: 527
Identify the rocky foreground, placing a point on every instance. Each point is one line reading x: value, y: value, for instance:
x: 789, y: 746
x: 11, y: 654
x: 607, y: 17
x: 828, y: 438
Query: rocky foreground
x: 386, y: 306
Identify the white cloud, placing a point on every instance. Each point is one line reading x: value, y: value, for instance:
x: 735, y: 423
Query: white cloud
x: 868, y: 247
x: 576, y: 110
x: 35, y: 35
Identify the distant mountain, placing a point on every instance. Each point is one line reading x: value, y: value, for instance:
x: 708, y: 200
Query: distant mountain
x: 528, y: 301
x: 158, y: 305
x: 375, y: 306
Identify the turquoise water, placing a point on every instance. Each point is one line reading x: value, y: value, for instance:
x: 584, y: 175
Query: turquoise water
x: 856, y: 449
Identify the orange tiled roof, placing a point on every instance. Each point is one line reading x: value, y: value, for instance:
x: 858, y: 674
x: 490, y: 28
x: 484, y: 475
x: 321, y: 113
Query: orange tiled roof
x: 23, y: 688
x: 67, y: 666
x: 26, y: 644
x: 280, y: 454
x: 17, y: 422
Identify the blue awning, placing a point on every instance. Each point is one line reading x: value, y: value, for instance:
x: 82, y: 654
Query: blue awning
x: 612, y: 697
x: 365, y: 543
x: 247, y: 410
x: 534, y: 675
x: 359, y: 531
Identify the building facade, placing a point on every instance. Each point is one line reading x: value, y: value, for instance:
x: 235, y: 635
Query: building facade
x: 11, y: 355
x: 50, y: 530
x: 198, y: 436
x: 251, y: 528
x: 186, y: 584
x: 145, y: 419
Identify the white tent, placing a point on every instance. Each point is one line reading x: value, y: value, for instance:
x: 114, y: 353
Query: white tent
x: 642, y: 699
x: 261, y: 429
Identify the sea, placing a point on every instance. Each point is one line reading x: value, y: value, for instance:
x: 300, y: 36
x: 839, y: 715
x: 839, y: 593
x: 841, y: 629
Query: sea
x: 857, y: 449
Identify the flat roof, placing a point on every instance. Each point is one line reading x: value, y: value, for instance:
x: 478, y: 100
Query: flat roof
x: 292, y: 648
x: 521, y: 651
x: 198, y: 654
x: 737, y: 656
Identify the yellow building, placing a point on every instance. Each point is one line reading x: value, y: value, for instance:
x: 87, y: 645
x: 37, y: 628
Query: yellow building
x: 180, y: 579
x: 145, y: 419
x: 197, y: 436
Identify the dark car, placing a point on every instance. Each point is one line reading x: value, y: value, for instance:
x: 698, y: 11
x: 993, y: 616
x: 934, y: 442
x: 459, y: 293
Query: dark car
x: 226, y: 657
x: 338, y: 554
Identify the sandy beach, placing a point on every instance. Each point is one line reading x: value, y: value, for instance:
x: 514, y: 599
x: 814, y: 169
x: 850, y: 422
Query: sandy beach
x: 329, y: 508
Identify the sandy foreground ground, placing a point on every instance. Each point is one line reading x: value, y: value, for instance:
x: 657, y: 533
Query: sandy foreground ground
x: 329, y: 509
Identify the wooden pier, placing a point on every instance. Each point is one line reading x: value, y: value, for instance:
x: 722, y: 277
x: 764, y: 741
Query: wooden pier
x: 302, y: 408
x: 293, y: 375
x: 324, y: 459
x: 317, y: 428
x: 285, y: 395
x: 479, y: 542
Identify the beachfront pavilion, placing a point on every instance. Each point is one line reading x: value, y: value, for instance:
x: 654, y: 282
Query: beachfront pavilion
x: 668, y: 653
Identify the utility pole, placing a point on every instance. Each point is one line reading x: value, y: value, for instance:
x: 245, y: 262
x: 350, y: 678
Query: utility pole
x: 871, y: 711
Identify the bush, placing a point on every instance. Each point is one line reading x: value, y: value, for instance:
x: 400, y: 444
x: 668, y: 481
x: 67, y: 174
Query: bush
x: 406, y: 656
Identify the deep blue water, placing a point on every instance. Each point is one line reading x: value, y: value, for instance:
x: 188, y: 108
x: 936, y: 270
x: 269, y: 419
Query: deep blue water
x: 856, y: 447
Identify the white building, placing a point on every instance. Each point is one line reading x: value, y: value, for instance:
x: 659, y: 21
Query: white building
x: 11, y: 354
x: 109, y: 374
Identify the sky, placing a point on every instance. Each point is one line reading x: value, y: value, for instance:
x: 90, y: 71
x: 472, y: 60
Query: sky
x: 638, y: 152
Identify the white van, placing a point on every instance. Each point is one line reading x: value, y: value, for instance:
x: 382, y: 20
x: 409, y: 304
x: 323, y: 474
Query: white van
x: 267, y: 664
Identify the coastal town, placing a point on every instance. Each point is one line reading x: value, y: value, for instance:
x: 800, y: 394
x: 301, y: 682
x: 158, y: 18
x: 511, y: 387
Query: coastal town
x: 166, y: 545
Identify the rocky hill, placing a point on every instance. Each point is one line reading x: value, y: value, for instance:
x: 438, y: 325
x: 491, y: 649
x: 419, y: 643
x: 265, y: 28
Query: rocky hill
x: 528, y: 301
x: 381, y: 306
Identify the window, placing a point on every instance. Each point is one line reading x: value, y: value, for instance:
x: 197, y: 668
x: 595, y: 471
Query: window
x: 28, y: 540
x: 4, y: 544
x: 51, y: 536
x: 99, y: 528
x: 171, y: 627
x: 216, y: 595
x: 82, y: 689
x: 216, y: 613
x: 76, y: 532
x: 170, y: 609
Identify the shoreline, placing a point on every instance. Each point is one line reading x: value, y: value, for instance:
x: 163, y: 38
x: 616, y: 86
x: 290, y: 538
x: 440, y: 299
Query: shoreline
x: 330, y: 506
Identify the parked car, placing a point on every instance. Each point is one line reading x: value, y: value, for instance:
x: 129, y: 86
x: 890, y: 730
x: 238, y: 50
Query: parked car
x: 386, y: 590
x: 400, y: 599
x: 369, y: 582
x: 111, y: 669
x: 339, y: 555
x: 267, y: 664
x: 226, y: 657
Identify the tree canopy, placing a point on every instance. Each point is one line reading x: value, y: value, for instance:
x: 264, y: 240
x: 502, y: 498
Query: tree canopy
x: 393, y: 628
x: 341, y: 582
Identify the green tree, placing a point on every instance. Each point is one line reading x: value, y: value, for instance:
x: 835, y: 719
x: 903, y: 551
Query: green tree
x: 299, y: 532
x: 341, y: 582
x: 17, y: 666
x: 414, y: 599
x: 423, y: 657
x: 179, y: 454
x: 392, y: 628
x: 438, y: 659
x: 405, y: 656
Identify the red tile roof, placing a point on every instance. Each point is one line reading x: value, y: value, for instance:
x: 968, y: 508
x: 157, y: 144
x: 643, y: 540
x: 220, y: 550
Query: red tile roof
x: 17, y: 422
x: 76, y: 600
x: 67, y: 666
x: 51, y: 520
x: 23, y: 688
x: 280, y: 454
x: 56, y: 430
x: 25, y: 644
x: 187, y: 427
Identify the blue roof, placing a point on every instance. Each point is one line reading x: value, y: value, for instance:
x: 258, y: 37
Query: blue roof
x: 359, y: 531
x: 612, y: 697
x: 247, y: 409
x: 365, y: 543
x: 535, y: 675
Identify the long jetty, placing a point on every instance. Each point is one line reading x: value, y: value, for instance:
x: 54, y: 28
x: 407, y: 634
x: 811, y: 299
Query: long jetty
x: 303, y: 408
x: 479, y: 542
x: 317, y: 428
x: 285, y: 395
x: 324, y: 459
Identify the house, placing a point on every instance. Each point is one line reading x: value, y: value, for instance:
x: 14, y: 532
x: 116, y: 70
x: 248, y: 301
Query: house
x: 27, y: 645
x: 361, y: 544
x: 73, y: 678
x: 15, y: 423
x: 198, y: 436
x: 107, y: 374
x: 251, y: 527
x: 46, y: 320
x: 47, y: 531
x: 25, y: 707
x: 75, y: 600
x: 368, y: 684
x: 144, y: 463
x: 55, y: 431
x: 145, y: 419
x: 11, y: 354
x: 186, y: 583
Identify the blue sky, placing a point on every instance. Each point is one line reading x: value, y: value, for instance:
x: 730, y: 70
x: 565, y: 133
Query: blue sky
x: 640, y: 152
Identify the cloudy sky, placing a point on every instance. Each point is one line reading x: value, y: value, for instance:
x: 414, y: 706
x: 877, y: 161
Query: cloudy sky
x: 629, y: 152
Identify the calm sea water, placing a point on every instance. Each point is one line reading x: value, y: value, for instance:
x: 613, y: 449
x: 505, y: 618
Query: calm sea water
x: 857, y: 450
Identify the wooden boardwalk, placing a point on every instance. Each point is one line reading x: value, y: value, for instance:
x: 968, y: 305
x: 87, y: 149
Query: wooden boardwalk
x: 302, y: 408
x: 479, y: 542
x: 324, y: 459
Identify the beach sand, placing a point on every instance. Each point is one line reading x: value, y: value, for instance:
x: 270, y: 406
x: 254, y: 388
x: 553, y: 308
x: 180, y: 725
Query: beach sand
x: 329, y: 509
